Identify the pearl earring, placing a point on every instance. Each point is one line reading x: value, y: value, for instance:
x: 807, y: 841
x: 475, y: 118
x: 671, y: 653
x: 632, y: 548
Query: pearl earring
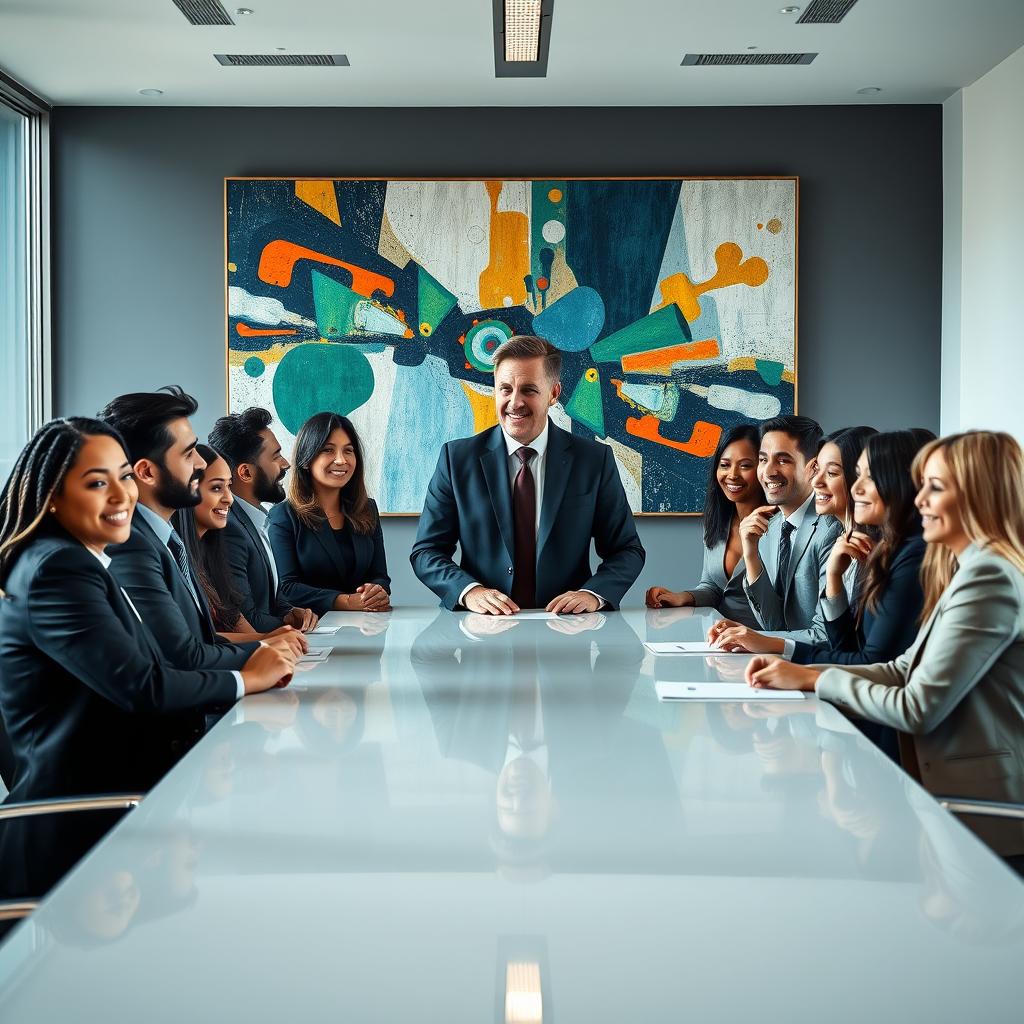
x: 53, y: 509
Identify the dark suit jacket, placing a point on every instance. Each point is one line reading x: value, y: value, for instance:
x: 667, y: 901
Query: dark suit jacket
x: 88, y: 701
x: 147, y: 570
x: 310, y: 565
x: 886, y: 632
x: 469, y: 503
x: 251, y: 574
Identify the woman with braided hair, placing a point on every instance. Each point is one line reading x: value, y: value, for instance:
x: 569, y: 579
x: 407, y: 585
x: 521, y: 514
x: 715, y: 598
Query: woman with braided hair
x: 88, y: 703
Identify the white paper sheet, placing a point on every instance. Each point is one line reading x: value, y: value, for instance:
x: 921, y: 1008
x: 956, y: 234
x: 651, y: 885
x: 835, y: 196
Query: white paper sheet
x: 721, y: 691
x: 315, y: 655
x: 323, y: 629
x: 693, y: 647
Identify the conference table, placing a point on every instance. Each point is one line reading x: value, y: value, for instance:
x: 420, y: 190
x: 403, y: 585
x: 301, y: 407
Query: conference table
x: 454, y: 818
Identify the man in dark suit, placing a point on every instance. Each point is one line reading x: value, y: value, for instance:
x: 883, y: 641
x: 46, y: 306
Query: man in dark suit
x: 523, y: 500
x: 258, y: 466
x: 152, y: 565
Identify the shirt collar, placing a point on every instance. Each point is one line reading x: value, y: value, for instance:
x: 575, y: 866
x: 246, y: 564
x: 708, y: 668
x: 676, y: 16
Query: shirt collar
x: 254, y: 512
x: 539, y: 444
x: 160, y: 527
x: 101, y: 556
x: 797, y: 517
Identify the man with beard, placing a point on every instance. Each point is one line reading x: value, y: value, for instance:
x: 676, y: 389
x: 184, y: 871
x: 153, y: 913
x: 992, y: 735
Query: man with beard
x: 152, y: 566
x: 258, y: 466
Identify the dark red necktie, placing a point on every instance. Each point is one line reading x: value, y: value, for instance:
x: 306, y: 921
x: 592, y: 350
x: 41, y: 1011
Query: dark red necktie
x: 524, y: 516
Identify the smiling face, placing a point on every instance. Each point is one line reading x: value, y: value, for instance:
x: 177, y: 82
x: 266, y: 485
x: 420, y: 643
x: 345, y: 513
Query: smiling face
x: 829, y: 482
x: 868, y: 507
x: 98, y: 496
x: 173, y: 479
x: 736, y: 472
x: 215, y: 497
x: 938, y: 501
x: 523, y: 393
x: 269, y: 470
x: 782, y: 470
x: 335, y: 463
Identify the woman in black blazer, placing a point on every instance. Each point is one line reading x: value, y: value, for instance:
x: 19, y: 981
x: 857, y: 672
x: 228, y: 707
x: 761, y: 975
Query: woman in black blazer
x: 87, y: 701
x: 326, y: 537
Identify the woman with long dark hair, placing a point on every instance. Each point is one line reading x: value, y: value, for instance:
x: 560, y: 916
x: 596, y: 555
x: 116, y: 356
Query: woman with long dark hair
x: 733, y: 493
x: 201, y: 528
x: 327, y: 538
x: 958, y: 690
x: 88, y: 703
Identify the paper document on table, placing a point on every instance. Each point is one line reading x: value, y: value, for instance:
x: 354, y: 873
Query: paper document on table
x: 323, y: 629
x: 316, y: 654
x: 721, y: 691
x: 693, y: 647
x: 537, y: 615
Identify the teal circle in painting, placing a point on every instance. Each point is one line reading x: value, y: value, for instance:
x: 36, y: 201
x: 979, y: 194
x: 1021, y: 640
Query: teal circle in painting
x: 254, y: 366
x: 316, y: 377
x: 482, y: 341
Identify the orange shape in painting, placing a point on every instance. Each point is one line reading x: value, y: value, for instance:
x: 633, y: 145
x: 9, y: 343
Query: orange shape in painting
x: 509, y: 254
x: 703, y: 441
x: 321, y: 196
x: 662, y: 360
x: 774, y: 225
x: 278, y: 259
x: 256, y: 332
x: 732, y: 268
x: 555, y: 195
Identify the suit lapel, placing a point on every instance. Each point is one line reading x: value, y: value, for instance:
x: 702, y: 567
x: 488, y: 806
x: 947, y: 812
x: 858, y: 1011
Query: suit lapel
x: 769, y: 546
x: 252, y: 530
x: 494, y: 463
x: 558, y: 467
x: 801, y: 539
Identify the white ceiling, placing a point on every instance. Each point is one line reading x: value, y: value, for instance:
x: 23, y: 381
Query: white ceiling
x: 440, y: 52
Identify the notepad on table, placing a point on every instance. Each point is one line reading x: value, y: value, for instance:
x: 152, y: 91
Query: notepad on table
x: 721, y: 691
x: 692, y: 647
x: 315, y: 654
x: 323, y: 629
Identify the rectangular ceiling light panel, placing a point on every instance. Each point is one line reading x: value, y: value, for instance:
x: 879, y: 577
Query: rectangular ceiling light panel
x: 522, y: 29
x: 825, y: 12
x: 204, y: 12
x: 733, y: 59
x: 282, y: 60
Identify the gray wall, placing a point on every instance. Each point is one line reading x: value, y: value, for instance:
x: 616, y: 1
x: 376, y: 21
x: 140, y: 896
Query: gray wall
x: 139, y: 224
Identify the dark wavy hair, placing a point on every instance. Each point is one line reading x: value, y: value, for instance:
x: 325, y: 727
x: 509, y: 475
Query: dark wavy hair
x: 208, y: 556
x: 890, y: 459
x: 37, y: 477
x: 805, y: 431
x: 355, y: 502
x: 237, y: 436
x: 141, y: 419
x: 719, y: 511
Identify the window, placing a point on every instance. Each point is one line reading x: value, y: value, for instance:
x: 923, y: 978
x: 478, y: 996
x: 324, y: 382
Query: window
x: 24, y: 271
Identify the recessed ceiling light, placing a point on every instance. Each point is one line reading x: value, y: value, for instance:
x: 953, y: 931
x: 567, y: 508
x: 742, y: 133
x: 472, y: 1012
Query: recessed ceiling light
x: 868, y: 90
x: 151, y: 92
x: 245, y: 11
x: 782, y: 10
x: 522, y: 30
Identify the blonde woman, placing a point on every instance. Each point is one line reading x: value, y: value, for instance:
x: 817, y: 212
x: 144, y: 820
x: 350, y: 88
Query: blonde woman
x: 959, y: 690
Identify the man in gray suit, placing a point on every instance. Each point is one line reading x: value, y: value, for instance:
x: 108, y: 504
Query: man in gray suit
x: 786, y: 544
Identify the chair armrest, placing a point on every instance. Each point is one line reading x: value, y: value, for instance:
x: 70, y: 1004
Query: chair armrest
x: 111, y: 802
x: 982, y: 808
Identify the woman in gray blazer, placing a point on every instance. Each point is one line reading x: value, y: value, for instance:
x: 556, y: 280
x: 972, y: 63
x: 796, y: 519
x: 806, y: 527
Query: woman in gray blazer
x: 958, y: 692
x: 733, y: 492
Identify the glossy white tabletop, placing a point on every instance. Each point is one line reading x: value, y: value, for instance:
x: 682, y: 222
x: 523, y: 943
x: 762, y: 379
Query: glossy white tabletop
x: 439, y: 826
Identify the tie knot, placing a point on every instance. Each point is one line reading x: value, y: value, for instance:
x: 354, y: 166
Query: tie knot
x: 787, y: 527
x: 524, y: 455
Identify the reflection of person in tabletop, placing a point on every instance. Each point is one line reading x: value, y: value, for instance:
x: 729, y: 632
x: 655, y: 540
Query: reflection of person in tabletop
x: 531, y: 708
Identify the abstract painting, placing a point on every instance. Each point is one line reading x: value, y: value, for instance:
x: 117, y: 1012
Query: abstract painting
x: 672, y: 301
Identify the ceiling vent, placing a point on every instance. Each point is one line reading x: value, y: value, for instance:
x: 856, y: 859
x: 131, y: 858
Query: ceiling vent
x: 730, y: 59
x: 204, y: 12
x: 282, y: 60
x: 825, y: 12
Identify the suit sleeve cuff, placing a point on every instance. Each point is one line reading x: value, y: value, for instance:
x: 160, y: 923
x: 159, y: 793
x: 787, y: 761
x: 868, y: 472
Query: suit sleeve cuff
x: 601, y: 602
x: 239, y: 685
x: 788, y: 647
x: 834, y: 607
x: 462, y: 596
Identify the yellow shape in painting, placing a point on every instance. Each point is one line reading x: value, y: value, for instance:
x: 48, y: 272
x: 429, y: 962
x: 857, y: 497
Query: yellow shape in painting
x: 232, y: 267
x: 774, y: 225
x: 485, y: 415
x: 320, y: 195
x: 732, y: 268
x: 510, y: 255
x: 274, y: 354
x: 750, y: 363
x: 555, y: 195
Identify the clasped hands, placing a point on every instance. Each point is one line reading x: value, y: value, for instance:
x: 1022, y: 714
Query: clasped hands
x: 488, y: 601
x: 370, y: 597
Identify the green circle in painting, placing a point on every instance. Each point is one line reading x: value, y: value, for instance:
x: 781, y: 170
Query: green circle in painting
x: 316, y: 377
x: 482, y: 341
x: 254, y: 366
